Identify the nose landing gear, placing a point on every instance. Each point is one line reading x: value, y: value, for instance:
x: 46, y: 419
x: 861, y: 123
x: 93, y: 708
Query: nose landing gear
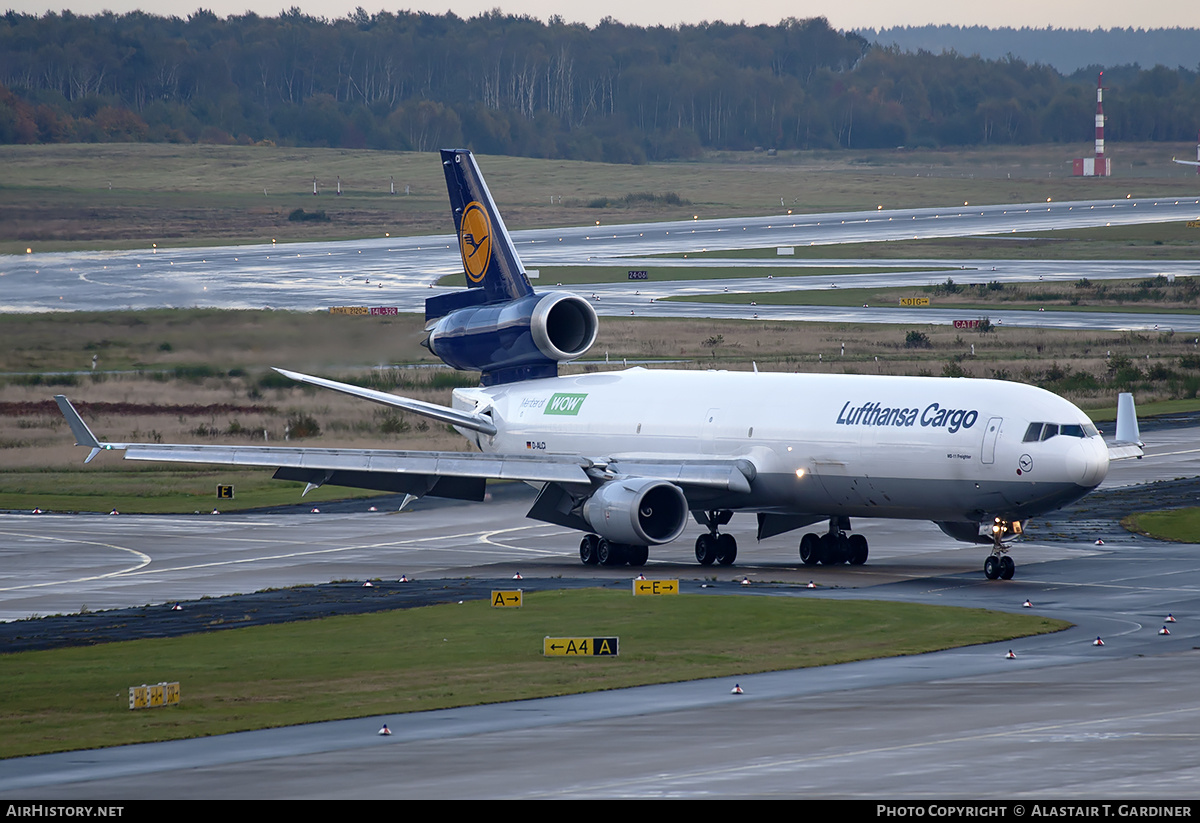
x: 999, y: 566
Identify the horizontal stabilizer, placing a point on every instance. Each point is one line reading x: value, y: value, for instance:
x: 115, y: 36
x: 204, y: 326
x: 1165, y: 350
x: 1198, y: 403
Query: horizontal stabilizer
x: 440, y: 305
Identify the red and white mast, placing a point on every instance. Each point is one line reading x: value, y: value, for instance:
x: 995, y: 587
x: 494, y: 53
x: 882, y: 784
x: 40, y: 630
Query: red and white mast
x: 1101, y: 168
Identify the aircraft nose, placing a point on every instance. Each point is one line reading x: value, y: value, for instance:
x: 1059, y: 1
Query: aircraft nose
x: 1087, y: 462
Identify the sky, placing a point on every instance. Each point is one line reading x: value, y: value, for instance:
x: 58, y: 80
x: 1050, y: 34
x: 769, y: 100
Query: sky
x: 877, y: 14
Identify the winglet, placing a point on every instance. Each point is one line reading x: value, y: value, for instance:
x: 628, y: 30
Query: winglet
x: 1127, y: 423
x: 83, y: 435
x: 1128, y: 441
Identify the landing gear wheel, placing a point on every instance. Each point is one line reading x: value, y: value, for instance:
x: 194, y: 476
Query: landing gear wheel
x: 809, y: 549
x: 991, y: 567
x: 638, y: 555
x: 858, y: 550
x: 587, y: 550
x: 726, y: 549
x: 706, y: 550
x: 1007, y: 568
x: 609, y: 553
x: 832, y: 549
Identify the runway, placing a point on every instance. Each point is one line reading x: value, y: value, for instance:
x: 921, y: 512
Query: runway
x: 400, y: 271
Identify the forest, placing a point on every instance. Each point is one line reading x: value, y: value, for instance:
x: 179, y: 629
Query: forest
x: 505, y: 84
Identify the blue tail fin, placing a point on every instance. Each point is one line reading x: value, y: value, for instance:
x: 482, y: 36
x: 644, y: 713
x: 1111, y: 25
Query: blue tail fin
x: 489, y: 258
x: 498, y: 325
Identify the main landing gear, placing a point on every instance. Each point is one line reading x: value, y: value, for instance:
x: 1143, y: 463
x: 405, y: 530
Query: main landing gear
x: 999, y: 566
x: 835, y: 546
x: 713, y: 547
x: 594, y: 549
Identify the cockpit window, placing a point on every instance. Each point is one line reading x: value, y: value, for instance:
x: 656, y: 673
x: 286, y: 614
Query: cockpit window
x: 1044, y: 431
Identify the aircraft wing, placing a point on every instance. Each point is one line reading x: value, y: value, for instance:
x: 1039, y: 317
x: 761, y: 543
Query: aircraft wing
x: 446, y: 474
x: 1186, y: 162
x: 1125, y: 451
x: 1128, y: 443
x: 460, y: 475
x: 709, y: 474
x: 468, y: 420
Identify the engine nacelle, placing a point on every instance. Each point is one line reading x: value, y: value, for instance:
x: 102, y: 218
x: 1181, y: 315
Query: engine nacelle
x: 518, y: 339
x: 640, y: 511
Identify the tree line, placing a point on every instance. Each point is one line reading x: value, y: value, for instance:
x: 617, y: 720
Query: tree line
x: 508, y: 84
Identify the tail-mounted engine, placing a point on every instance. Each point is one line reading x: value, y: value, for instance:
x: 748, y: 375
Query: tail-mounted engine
x: 499, y: 325
x: 521, y: 339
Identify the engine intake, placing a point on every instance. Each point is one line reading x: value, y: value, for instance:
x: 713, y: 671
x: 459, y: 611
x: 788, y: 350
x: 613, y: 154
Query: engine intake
x: 563, y: 326
x: 640, y: 511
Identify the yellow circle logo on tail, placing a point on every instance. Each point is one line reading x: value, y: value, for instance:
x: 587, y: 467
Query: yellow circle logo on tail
x: 475, y: 241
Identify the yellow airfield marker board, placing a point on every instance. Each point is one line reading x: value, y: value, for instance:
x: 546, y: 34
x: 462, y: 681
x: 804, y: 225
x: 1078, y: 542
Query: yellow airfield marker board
x: 149, y: 697
x: 655, y: 587
x: 580, y: 646
x: 506, y: 599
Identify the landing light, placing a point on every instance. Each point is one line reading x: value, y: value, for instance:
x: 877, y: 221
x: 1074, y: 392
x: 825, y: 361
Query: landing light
x: 799, y: 473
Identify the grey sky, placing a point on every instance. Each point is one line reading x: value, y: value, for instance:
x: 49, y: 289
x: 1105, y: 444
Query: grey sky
x: 1087, y: 14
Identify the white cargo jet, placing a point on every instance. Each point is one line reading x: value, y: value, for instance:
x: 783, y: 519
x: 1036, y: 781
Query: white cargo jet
x: 624, y: 457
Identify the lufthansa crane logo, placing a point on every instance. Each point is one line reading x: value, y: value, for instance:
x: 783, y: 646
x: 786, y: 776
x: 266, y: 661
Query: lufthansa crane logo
x: 475, y: 241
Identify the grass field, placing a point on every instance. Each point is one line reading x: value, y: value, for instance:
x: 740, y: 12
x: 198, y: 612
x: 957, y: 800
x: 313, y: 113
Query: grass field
x: 1152, y: 241
x: 452, y: 655
x: 1178, y: 525
x: 64, y: 197
x: 1135, y: 296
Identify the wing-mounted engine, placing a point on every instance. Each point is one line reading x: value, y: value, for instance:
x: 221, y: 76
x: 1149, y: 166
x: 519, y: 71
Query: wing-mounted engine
x: 640, y: 511
x: 520, y: 339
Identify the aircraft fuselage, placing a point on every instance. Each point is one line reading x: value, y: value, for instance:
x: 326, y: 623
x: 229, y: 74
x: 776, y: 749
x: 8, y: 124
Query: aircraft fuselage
x: 853, y: 445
